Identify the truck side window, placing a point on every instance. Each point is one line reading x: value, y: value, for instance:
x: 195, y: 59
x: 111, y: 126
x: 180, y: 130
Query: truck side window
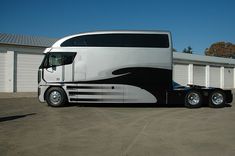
x: 60, y: 58
x: 73, y: 42
x: 119, y: 40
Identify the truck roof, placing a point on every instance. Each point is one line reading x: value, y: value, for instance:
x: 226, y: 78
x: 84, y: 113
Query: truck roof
x: 58, y: 43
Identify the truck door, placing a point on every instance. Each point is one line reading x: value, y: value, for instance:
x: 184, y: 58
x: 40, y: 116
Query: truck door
x: 59, y: 67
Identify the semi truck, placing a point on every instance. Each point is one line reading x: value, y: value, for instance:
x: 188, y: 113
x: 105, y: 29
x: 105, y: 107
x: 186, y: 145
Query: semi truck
x: 118, y: 67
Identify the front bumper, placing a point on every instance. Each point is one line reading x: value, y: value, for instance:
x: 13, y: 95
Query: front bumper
x: 41, y: 92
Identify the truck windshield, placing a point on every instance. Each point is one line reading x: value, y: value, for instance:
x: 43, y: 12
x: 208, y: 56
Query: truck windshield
x: 43, y: 61
x: 53, y: 59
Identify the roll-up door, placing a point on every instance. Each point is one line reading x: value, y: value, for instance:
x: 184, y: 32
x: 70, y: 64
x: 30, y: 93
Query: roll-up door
x: 26, y: 72
x: 2, y: 71
x: 180, y: 74
x: 214, y: 76
x: 228, y: 78
x: 199, y: 75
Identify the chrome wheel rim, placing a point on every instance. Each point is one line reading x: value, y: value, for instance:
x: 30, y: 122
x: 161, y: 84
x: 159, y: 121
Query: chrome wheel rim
x: 55, y: 97
x: 193, y: 98
x: 217, y: 98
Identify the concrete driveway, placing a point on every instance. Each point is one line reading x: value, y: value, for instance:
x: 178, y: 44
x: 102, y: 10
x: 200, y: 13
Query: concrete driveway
x: 28, y: 127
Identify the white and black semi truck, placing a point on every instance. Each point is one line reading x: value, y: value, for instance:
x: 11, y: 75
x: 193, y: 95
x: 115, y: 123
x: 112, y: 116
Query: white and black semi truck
x: 118, y: 67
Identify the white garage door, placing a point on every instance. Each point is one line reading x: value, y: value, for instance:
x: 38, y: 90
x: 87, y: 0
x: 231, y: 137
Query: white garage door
x: 215, y: 76
x: 228, y: 77
x: 26, y: 72
x: 2, y: 71
x: 180, y: 74
x: 199, y: 75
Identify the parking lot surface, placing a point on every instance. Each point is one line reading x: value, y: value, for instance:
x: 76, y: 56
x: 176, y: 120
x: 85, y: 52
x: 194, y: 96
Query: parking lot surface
x: 28, y: 127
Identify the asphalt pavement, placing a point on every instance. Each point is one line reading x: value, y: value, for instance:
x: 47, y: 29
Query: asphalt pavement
x: 28, y: 127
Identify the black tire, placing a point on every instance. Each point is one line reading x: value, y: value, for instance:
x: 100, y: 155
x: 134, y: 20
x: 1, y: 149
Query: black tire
x: 193, y: 99
x: 56, y: 97
x: 217, y: 99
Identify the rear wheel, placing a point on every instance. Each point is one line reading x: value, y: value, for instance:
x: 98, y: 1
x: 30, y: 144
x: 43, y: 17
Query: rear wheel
x: 56, y: 97
x: 217, y: 99
x: 193, y: 99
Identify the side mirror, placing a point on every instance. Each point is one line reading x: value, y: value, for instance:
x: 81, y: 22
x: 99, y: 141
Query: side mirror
x: 53, y: 67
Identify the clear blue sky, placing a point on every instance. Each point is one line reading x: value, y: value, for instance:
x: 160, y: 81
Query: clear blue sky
x: 197, y: 23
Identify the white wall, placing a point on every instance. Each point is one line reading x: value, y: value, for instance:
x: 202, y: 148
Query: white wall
x: 8, y: 66
x: 204, y: 75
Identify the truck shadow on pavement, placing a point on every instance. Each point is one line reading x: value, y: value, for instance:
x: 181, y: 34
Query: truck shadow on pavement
x: 14, y: 117
x: 132, y: 105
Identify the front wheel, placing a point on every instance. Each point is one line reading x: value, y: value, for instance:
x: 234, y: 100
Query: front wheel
x: 56, y: 97
x: 217, y: 99
x: 193, y: 99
